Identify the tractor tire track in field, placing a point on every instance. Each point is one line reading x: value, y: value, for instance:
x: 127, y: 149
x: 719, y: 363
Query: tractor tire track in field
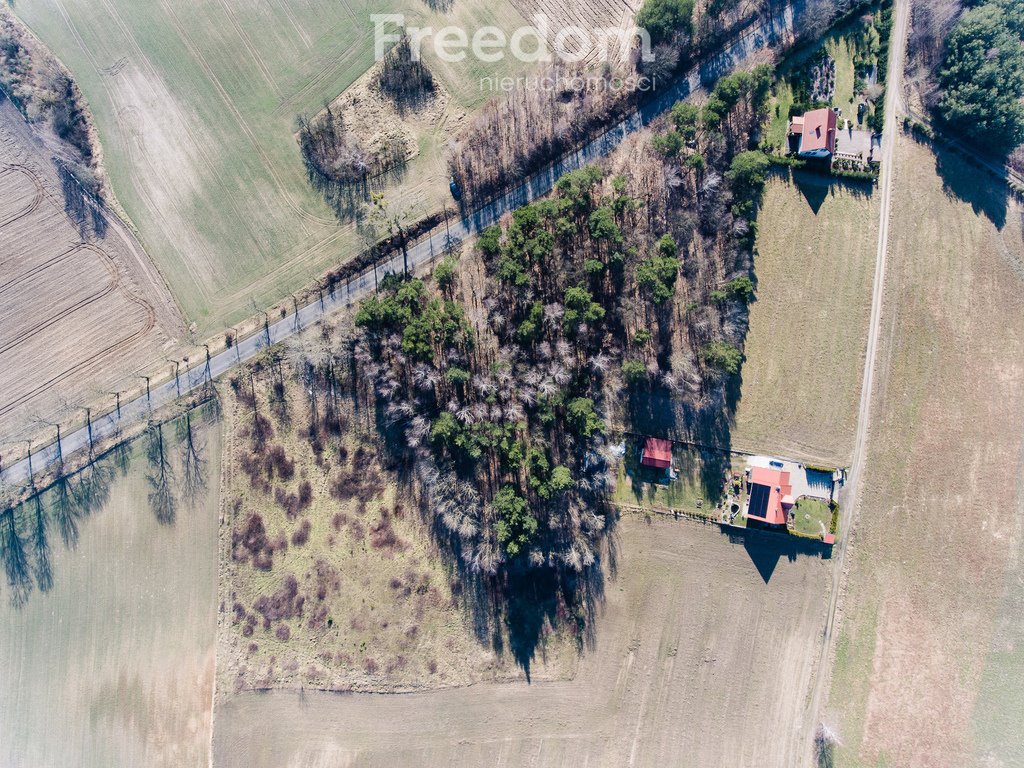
x: 112, y: 285
x: 334, y: 64
x: 128, y: 129
x: 256, y: 58
x: 243, y: 125
x: 36, y: 200
x: 147, y: 326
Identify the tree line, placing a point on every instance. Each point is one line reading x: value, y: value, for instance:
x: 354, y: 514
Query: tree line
x: 176, y: 470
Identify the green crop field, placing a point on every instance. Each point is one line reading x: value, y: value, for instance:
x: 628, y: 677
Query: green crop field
x: 195, y: 106
x: 808, y: 327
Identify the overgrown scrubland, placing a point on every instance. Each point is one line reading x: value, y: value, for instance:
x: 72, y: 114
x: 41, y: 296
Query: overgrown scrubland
x: 43, y: 91
x: 330, y: 577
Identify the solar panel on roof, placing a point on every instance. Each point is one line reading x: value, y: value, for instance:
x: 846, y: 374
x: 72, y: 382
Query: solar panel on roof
x: 758, y: 500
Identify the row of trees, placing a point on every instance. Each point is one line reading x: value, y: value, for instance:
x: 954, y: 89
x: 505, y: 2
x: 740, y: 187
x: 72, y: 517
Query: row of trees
x: 175, y: 469
x: 514, y: 136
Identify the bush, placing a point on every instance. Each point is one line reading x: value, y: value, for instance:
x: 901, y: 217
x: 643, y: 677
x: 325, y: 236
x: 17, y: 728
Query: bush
x: 634, y: 372
x: 444, y: 273
x: 582, y: 418
x: 656, y: 276
x: 724, y: 356
x: 748, y: 173
x: 663, y: 19
x: 516, y: 525
x: 741, y: 288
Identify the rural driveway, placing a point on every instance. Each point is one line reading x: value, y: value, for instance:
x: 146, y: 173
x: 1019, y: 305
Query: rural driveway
x: 851, y: 496
x: 421, y: 253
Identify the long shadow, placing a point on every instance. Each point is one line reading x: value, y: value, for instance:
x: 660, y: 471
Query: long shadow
x: 767, y: 548
x: 816, y: 185
x: 971, y: 184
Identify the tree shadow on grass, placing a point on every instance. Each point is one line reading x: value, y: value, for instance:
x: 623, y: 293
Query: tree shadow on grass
x: 962, y: 179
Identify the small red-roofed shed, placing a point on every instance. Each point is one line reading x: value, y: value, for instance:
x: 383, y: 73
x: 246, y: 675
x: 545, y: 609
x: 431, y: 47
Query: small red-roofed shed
x: 657, y: 453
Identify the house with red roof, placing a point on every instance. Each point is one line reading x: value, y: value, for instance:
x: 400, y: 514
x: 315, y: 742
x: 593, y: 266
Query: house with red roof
x: 657, y: 453
x: 770, y: 496
x: 814, y: 133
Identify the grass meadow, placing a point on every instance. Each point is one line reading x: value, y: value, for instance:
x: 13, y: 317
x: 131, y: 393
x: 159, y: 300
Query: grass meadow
x: 195, y: 106
x: 114, y: 665
x: 929, y: 631
x: 808, y: 327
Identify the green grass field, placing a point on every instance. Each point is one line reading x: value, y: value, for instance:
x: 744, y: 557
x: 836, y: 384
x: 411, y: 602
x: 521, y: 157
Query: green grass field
x: 195, y: 106
x: 697, y: 488
x: 808, y: 327
x: 811, y: 517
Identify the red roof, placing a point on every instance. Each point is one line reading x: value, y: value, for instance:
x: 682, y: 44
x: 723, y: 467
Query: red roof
x: 657, y: 453
x: 819, y: 131
x: 767, y: 489
x: 829, y: 538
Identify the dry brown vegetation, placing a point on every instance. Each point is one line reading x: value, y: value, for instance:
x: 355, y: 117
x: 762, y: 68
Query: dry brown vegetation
x: 362, y: 141
x: 82, y: 308
x: 330, y: 578
x: 936, y: 553
x: 43, y: 91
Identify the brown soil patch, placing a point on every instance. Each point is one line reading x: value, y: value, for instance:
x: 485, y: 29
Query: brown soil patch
x: 80, y: 313
x: 589, y: 16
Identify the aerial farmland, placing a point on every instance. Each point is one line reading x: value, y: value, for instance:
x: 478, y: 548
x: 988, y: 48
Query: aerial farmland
x: 534, y: 382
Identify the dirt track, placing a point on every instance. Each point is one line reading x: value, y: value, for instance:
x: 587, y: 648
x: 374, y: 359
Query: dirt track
x: 696, y: 656
x: 79, y: 313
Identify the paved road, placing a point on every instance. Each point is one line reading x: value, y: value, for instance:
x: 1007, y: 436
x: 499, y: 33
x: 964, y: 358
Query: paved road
x: 852, y: 492
x: 421, y: 253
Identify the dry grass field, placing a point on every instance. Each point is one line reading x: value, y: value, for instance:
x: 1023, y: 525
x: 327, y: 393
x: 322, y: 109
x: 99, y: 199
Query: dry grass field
x: 930, y: 647
x: 78, y: 314
x: 808, y: 328
x: 114, y: 666
x: 196, y: 108
x: 695, y: 655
